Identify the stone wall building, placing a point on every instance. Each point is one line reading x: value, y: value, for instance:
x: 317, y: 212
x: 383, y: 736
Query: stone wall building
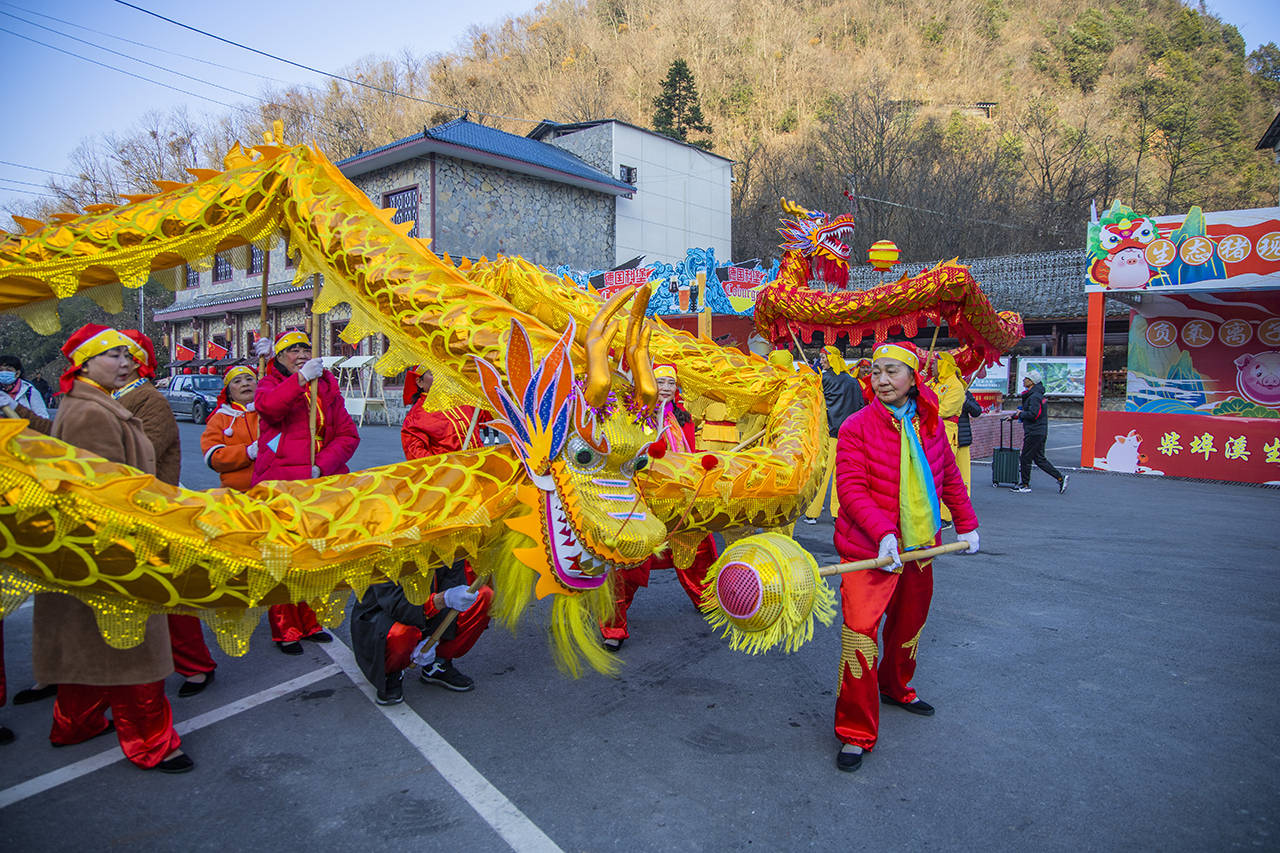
x: 475, y: 191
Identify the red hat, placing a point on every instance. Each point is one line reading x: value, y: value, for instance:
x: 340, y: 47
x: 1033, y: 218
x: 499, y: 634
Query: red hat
x: 89, y: 340
x: 147, y: 364
x: 411, y: 382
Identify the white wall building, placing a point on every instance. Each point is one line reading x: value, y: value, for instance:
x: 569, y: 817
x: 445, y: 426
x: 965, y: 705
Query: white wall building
x: 683, y: 195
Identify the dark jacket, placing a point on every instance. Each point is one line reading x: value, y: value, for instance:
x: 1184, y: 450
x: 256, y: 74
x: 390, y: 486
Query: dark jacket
x: 970, y: 409
x: 150, y: 406
x: 385, y: 604
x: 843, y: 395
x: 1033, y: 413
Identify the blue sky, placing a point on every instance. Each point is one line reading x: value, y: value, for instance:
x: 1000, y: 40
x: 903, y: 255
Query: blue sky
x: 53, y: 101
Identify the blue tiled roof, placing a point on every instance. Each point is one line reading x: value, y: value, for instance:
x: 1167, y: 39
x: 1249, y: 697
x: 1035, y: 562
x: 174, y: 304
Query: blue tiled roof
x: 488, y: 140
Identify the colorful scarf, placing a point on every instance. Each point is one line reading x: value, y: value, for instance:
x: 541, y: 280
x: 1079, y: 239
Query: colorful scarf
x: 919, y: 515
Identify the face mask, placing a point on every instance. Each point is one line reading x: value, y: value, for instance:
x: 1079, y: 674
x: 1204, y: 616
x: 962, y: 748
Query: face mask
x: 8, y: 377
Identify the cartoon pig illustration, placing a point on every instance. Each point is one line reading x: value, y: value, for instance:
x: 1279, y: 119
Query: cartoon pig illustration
x: 1123, y: 455
x: 1258, y: 378
x: 1128, y: 270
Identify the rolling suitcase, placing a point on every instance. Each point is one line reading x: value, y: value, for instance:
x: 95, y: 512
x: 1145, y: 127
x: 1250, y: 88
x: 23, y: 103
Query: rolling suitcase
x: 1004, y: 460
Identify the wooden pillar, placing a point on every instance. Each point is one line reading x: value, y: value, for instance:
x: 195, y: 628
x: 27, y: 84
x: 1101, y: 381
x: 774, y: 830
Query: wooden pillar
x: 1092, y: 376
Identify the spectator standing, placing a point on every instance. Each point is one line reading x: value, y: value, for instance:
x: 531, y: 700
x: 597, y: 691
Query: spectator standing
x: 286, y: 446
x: 18, y: 391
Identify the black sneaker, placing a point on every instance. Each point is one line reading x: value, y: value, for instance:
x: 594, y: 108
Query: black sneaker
x: 445, y: 674
x: 1021, y: 489
x: 808, y: 520
x: 849, y: 758
x: 394, y: 692
x: 1062, y: 484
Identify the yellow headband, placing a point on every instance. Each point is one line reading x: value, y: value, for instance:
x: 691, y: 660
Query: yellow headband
x: 289, y: 339
x: 664, y: 371
x: 241, y: 370
x: 897, y: 353
x: 105, y: 340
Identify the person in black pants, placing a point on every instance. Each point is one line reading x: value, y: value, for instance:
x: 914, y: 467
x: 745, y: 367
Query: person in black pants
x: 1035, y: 432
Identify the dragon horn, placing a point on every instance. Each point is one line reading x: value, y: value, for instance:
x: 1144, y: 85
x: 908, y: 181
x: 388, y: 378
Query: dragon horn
x: 638, y: 332
x: 793, y: 208
x: 600, y: 334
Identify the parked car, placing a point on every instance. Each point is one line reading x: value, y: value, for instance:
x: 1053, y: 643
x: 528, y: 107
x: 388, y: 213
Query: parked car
x: 192, y: 395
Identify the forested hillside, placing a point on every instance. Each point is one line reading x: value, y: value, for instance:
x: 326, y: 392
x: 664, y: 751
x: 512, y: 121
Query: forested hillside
x: 1146, y: 100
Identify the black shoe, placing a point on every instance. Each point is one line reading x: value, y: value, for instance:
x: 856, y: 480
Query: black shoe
x: 947, y: 525
x: 191, y: 688
x: 319, y: 637
x: 919, y: 706
x: 613, y: 644
x: 393, y: 693
x: 445, y: 674
x: 294, y: 648
x: 808, y: 520
x: 1062, y: 484
x: 178, y: 764
x: 848, y: 761
x: 35, y: 694
x: 111, y: 727
x: 6, y: 736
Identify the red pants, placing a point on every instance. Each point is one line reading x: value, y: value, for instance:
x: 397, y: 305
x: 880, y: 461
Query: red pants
x: 627, y: 581
x: 865, y: 597
x: 291, y: 622
x: 144, y: 721
x: 470, y: 625
x: 190, y: 654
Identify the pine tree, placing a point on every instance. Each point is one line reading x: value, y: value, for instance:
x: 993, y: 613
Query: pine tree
x: 676, y: 111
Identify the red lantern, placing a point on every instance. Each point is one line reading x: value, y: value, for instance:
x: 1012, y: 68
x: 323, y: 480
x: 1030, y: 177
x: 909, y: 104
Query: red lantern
x: 883, y: 255
x: 186, y: 370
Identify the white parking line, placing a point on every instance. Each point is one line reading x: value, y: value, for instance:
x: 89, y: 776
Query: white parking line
x: 490, y: 803
x: 71, y: 772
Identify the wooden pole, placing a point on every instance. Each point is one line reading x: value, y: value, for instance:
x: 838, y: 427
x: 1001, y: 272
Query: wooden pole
x: 1095, y: 331
x: 880, y: 562
x: 747, y: 442
x: 471, y: 428
x: 10, y: 412
x: 451, y: 616
x: 315, y: 353
x: 262, y: 310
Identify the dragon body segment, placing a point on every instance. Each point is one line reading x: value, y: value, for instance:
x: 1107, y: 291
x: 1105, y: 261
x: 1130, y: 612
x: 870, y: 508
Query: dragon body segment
x: 572, y: 497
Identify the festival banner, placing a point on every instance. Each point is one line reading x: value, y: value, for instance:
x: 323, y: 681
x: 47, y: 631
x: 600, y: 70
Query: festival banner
x: 1242, y: 450
x: 1223, y: 250
x: 615, y: 280
x: 1063, y: 375
x: 995, y: 377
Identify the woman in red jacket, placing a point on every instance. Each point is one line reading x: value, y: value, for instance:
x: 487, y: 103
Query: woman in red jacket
x: 283, y: 404
x: 894, y: 470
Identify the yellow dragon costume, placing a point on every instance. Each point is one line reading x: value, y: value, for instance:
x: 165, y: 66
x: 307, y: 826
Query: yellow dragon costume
x: 572, y: 497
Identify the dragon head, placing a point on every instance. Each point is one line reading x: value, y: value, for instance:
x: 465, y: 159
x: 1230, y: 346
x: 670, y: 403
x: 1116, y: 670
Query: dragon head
x: 580, y: 451
x: 1119, y: 229
x: 820, y: 239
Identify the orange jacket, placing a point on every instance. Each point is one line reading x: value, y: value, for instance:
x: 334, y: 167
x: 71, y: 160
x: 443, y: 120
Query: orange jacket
x: 427, y: 433
x: 225, y: 443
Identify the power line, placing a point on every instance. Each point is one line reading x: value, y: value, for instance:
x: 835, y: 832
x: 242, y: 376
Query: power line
x: 149, y: 46
x: 24, y: 183
x: 35, y: 169
x: 160, y: 67
x: 371, y: 86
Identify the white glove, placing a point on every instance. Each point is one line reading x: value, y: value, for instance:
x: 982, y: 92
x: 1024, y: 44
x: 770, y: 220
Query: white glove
x: 312, y: 369
x: 459, y: 598
x: 423, y: 657
x: 889, y: 548
x: 262, y: 347
x: 6, y: 400
x: 972, y: 538
x: 315, y: 471
x: 252, y: 450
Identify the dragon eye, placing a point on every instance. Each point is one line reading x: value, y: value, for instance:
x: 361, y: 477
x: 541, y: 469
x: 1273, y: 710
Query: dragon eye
x: 583, y: 456
x: 640, y: 463
x: 631, y: 466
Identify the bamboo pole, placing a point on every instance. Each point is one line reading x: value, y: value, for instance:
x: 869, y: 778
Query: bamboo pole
x: 881, y: 562
x: 471, y: 428
x: 315, y: 353
x: 451, y: 616
x: 262, y: 310
x: 747, y: 442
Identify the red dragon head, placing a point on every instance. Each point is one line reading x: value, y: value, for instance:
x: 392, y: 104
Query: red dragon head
x: 820, y: 240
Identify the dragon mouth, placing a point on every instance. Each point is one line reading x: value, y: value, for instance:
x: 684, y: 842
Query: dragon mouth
x: 575, y: 566
x: 834, y: 241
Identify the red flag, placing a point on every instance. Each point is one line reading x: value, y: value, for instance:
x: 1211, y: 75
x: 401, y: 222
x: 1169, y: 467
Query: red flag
x: 182, y: 353
x: 212, y: 350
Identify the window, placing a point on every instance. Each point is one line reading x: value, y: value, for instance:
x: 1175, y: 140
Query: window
x: 628, y: 174
x: 406, y: 204
x: 337, y: 346
x: 221, y: 267
x: 193, y: 277
x: 255, y: 260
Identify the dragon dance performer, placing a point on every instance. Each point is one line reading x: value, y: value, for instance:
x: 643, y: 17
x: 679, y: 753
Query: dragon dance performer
x: 386, y: 629
x: 283, y: 404
x: 894, y: 468
x: 191, y: 656
x: 230, y: 438
x: 675, y: 428
x: 67, y: 648
x: 843, y: 396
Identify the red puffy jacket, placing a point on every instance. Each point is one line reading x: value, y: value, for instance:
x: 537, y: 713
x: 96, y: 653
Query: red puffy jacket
x: 867, y: 452
x: 285, y: 432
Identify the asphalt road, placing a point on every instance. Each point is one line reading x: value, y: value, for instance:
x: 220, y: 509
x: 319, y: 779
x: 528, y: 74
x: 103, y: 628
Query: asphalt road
x: 1105, y: 673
